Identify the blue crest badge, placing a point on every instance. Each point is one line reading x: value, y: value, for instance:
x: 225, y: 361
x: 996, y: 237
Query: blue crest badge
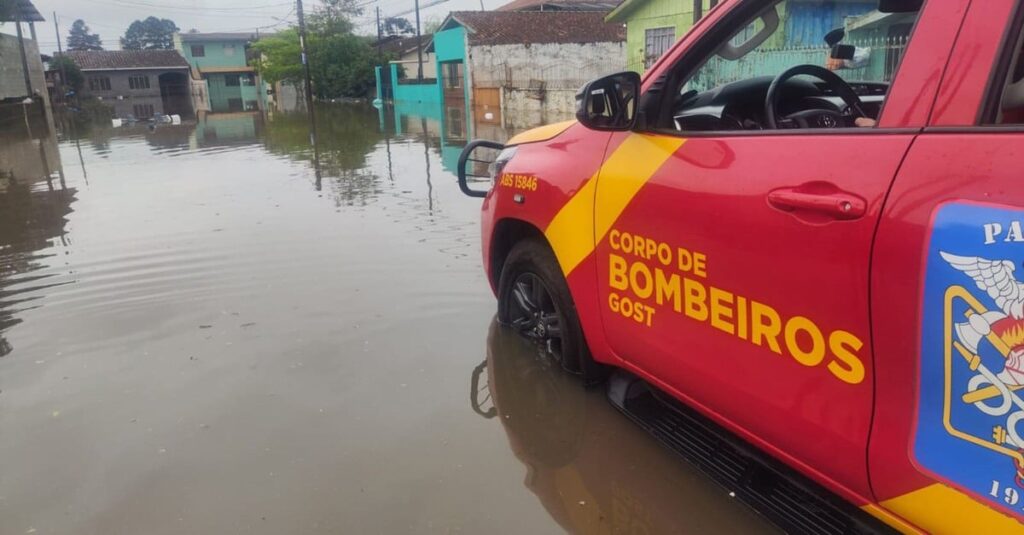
x: 970, y: 432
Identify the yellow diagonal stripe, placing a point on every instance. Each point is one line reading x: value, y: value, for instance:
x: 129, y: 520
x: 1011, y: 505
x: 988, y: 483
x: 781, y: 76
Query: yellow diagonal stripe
x: 941, y: 509
x: 577, y: 227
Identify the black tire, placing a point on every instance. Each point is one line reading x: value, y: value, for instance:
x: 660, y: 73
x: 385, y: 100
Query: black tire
x: 532, y: 261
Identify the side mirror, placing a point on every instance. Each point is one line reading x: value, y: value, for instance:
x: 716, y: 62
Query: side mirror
x: 843, y: 52
x: 609, y: 103
x: 835, y: 37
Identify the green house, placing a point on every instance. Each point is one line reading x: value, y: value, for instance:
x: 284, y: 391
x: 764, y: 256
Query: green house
x: 653, y: 26
x: 221, y: 60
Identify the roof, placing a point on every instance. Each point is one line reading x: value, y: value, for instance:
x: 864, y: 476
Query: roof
x: 103, y: 60
x: 23, y: 10
x: 559, y: 5
x: 401, y: 44
x: 218, y: 36
x: 535, y: 27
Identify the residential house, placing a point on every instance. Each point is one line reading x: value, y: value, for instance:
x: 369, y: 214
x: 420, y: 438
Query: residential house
x: 408, y: 53
x: 136, y: 83
x: 221, y: 60
x: 653, y: 26
x: 530, y: 62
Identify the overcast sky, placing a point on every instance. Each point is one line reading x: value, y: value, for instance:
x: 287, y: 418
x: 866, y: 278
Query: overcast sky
x: 110, y: 18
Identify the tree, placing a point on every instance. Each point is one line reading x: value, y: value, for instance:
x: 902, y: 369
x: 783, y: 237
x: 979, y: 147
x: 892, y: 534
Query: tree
x: 398, y: 26
x: 432, y: 25
x: 79, y: 37
x: 63, y: 64
x: 280, y: 57
x: 341, y: 63
x: 149, y: 34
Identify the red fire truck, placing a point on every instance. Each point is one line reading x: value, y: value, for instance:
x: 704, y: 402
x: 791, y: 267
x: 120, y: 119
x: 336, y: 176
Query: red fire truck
x: 806, y: 259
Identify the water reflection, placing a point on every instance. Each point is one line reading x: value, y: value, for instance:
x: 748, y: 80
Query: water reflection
x: 34, y: 204
x: 591, y: 468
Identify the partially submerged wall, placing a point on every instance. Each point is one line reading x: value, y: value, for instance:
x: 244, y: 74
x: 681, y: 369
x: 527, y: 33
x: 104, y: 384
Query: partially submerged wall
x: 12, y: 76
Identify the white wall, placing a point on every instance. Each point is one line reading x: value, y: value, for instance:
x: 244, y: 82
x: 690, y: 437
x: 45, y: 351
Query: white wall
x: 12, y: 76
x: 560, y: 66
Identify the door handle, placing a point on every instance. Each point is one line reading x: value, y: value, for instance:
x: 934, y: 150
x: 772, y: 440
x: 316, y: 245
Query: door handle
x: 818, y: 198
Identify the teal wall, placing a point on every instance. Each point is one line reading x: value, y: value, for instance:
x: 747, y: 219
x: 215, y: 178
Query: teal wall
x: 450, y: 45
x: 426, y: 93
x: 216, y: 53
x: 220, y: 92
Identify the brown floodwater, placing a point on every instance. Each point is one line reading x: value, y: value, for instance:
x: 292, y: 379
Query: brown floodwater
x: 204, y: 329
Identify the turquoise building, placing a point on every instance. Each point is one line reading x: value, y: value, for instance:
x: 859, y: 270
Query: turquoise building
x: 449, y: 83
x: 222, y: 61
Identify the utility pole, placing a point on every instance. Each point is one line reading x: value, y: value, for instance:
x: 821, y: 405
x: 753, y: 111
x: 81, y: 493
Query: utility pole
x: 419, y: 45
x: 63, y: 70
x: 305, y: 56
x: 378, y: 36
x: 309, y: 86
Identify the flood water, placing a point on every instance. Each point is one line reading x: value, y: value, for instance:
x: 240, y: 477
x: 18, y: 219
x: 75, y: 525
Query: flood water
x: 203, y: 330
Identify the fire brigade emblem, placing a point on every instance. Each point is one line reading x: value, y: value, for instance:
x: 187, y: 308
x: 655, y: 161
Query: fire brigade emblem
x: 970, y: 429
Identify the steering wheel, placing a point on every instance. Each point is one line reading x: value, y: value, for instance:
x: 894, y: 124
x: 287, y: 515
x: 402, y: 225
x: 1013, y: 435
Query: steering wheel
x: 815, y: 118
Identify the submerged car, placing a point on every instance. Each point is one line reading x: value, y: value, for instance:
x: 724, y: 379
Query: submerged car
x: 813, y: 253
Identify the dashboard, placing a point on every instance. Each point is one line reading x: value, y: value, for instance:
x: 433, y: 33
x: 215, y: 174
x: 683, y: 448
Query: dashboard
x: 740, y: 105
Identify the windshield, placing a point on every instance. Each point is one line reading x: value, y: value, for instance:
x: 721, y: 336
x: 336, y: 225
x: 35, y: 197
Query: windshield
x: 789, y: 33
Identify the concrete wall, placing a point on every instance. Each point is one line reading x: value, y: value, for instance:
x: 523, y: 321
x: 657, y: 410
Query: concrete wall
x: 121, y: 97
x: 523, y: 108
x: 559, y: 66
x: 12, y: 76
x: 413, y: 92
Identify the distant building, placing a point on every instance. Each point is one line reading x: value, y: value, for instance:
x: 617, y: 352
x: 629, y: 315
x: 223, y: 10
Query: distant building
x: 221, y: 60
x: 559, y: 5
x: 137, y: 83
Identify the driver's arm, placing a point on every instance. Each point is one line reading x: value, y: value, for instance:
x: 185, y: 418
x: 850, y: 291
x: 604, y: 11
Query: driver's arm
x: 865, y: 122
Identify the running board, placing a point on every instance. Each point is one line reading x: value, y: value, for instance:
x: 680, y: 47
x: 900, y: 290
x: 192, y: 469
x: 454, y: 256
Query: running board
x: 785, y: 497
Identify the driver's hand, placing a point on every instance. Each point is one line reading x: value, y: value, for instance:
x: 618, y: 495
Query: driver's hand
x: 865, y: 122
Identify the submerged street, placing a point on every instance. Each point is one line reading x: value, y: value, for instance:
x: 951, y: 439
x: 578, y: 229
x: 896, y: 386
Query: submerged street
x: 204, y: 328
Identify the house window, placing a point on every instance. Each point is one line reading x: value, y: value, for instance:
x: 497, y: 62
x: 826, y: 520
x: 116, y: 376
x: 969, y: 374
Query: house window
x: 235, y: 104
x: 143, y: 110
x: 198, y: 51
x: 657, y: 41
x: 232, y: 80
x: 251, y: 105
x: 138, y: 82
x: 453, y: 75
x: 229, y: 50
x: 248, y: 80
x: 99, y: 83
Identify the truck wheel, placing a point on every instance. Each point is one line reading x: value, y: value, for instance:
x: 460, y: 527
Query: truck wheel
x: 534, y: 299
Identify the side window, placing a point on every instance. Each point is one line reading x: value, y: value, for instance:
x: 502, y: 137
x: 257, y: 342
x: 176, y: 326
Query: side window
x: 1010, y: 109
x: 657, y: 41
x: 198, y: 51
x: 824, y: 64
